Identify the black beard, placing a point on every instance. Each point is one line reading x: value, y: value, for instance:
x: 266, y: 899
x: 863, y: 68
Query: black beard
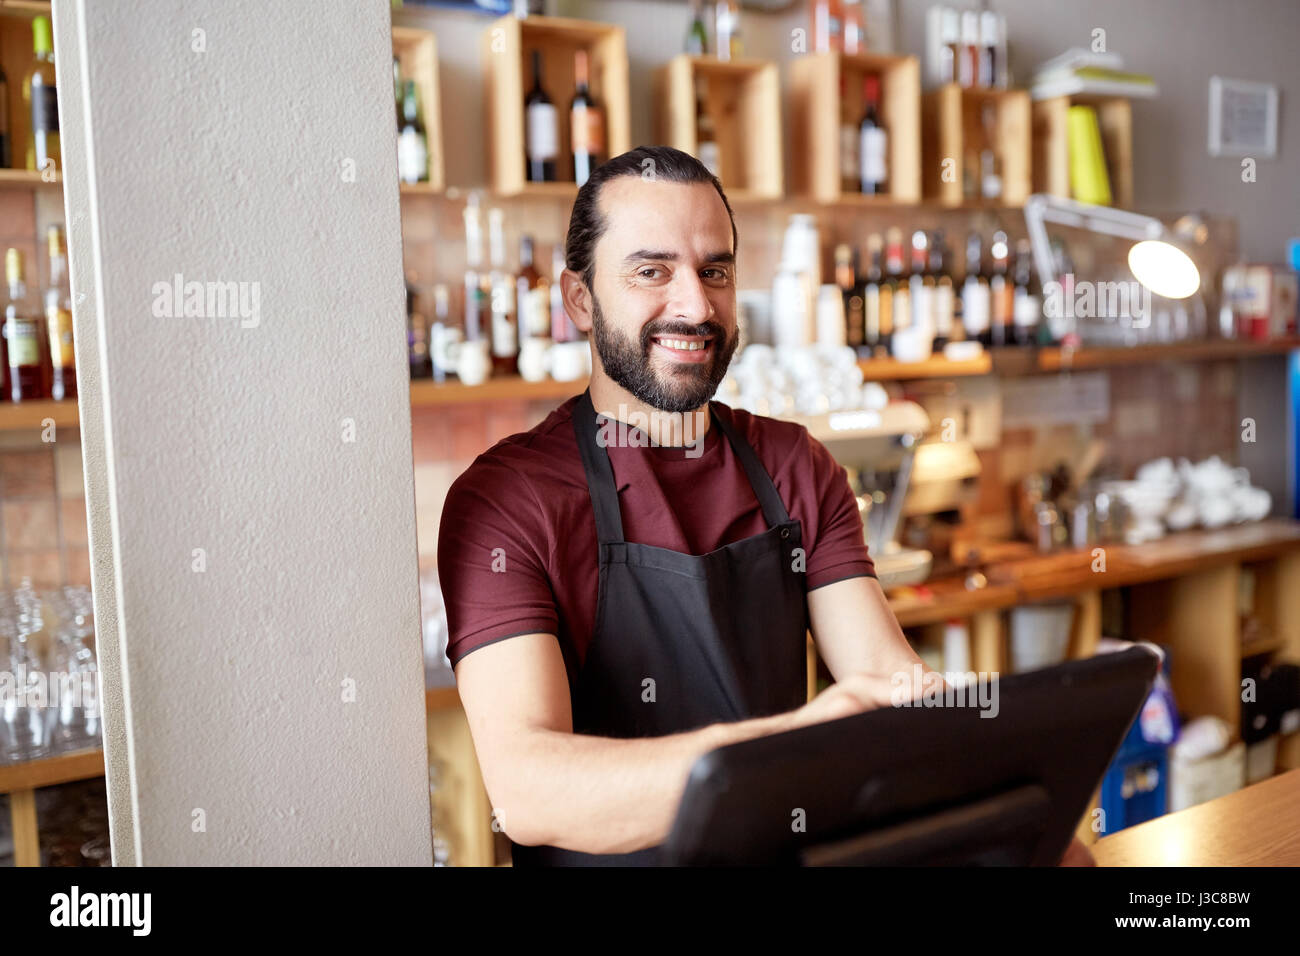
x: 628, y: 363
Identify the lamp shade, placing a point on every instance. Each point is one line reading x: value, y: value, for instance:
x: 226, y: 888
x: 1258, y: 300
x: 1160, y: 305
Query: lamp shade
x: 1164, y: 268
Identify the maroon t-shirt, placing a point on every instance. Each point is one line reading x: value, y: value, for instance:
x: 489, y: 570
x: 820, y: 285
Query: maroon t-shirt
x: 517, y: 550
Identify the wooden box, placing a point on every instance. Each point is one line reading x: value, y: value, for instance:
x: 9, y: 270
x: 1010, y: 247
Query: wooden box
x: 743, y: 97
x: 417, y: 56
x: 955, y: 133
x: 1051, y: 144
x: 508, y: 46
x: 16, y: 59
x: 818, y: 106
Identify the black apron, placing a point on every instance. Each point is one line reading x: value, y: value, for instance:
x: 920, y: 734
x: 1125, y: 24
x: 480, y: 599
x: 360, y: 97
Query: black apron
x: 684, y: 641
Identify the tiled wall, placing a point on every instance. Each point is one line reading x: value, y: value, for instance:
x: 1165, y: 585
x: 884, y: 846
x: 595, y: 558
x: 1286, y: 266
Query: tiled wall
x: 42, y: 509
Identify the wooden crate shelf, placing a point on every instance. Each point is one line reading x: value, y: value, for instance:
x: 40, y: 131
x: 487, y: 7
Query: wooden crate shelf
x: 417, y: 55
x: 508, y: 44
x: 1051, y: 145
x: 817, y: 107
x: 743, y: 97
x: 954, y: 134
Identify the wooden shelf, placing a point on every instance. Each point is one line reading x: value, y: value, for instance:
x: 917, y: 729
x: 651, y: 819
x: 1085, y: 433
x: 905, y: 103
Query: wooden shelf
x: 507, y: 47
x: 743, y: 97
x: 28, y: 179
x: 48, y: 771
x: 1058, y: 359
x: 33, y: 414
x: 953, y: 125
x: 817, y: 106
x: 892, y: 370
x: 424, y: 393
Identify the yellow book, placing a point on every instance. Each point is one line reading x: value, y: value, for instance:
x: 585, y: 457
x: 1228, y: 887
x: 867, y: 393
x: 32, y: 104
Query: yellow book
x: 1088, y: 179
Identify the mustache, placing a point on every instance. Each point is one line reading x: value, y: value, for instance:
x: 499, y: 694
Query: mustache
x: 654, y: 329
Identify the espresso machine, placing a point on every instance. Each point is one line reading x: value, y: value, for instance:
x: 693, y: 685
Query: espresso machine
x: 896, y: 473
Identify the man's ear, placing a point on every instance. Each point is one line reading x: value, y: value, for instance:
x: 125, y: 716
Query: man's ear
x: 577, y: 300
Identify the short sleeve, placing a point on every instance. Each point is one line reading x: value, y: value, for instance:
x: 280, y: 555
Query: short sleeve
x: 839, y: 550
x: 492, y: 548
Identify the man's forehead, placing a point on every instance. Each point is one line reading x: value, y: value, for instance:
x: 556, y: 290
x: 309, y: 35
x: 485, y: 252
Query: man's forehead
x: 640, y: 213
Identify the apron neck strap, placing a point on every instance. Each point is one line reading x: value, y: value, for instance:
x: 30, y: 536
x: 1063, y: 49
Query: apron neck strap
x: 604, y: 493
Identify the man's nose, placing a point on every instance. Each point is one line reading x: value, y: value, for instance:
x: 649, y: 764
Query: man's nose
x: 690, y: 299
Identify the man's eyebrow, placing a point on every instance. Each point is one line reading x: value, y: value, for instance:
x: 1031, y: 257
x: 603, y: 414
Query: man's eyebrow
x: 665, y: 256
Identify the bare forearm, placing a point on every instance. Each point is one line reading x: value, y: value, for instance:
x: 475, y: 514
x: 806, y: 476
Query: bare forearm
x: 607, y: 795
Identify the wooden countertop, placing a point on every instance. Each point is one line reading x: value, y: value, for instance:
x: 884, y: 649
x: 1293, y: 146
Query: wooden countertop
x: 1043, y: 577
x: 1256, y: 826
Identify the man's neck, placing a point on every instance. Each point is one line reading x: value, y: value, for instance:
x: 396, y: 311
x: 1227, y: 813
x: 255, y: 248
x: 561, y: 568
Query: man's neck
x: 664, y: 428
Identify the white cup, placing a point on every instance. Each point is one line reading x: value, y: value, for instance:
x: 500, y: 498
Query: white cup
x: 570, y: 360
x: 473, y: 364
x: 534, y: 359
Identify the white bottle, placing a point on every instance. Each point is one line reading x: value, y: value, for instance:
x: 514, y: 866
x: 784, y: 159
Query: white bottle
x: 791, y: 319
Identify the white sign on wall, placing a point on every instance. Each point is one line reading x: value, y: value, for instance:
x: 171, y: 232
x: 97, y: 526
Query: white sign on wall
x: 1243, y: 118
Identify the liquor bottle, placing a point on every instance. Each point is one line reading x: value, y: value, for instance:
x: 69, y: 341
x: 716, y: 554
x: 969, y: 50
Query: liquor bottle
x: 1001, y: 293
x: 417, y: 335
x: 562, y: 327
x: 438, y: 333
x: 41, y: 97
x: 850, y: 165
x: 727, y: 29
x: 476, y: 293
x: 533, y: 295
x: 697, y: 35
x: 412, y: 144
x: 23, y: 334
x: 705, y: 137
x: 945, y: 329
x: 901, y: 298
x: 1025, y: 307
x: 968, y: 50
x: 827, y: 26
x: 920, y: 285
x: 847, y: 280
x: 988, y: 50
x: 950, y: 47
x: 5, y: 133
x: 871, y: 310
x: 505, y: 327
x: 542, y: 132
x: 990, y: 163
x: 873, y: 141
x: 975, y: 295
x: 855, y: 27
x: 586, y: 123
x: 58, y: 320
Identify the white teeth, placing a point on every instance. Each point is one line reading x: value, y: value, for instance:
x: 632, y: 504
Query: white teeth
x: 682, y: 344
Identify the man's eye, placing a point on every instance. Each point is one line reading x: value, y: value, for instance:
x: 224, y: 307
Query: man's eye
x: 647, y: 269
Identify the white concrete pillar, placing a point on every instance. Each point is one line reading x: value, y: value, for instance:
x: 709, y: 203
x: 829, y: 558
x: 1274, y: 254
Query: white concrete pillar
x: 248, y: 468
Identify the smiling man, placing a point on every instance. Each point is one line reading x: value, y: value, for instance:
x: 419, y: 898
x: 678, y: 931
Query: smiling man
x: 619, y: 607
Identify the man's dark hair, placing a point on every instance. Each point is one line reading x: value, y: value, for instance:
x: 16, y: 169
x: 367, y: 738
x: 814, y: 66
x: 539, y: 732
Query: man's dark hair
x: 663, y: 163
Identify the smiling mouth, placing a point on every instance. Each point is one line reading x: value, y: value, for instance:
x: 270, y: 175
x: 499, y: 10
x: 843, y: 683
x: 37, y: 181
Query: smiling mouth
x: 685, y: 348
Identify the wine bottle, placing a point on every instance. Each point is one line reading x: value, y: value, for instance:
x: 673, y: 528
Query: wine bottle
x: 542, y: 133
x: 871, y: 298
x: 533, y: 295
x: 697, y: 36
x: 41, y: 97
x: 587, y: 124
x: 921, y: 285
x: 945, y: 330
x: 847, y: 280
x: 726, y: 29
x: 850, y: 165
x: 505, y: 327
x: 23, y: 334
x: 1025, y: 307
x: 475, y: 281
x: 901, y: 298
x: 417, y: 336
x: 705, y: 137
x: 1001, y: 293
x: 975, y: 294
x: 58, y: 319
x: 873, y: 141
x: 412, y: 143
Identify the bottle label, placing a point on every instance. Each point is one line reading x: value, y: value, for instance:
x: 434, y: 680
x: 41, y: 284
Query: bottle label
x: 45, y: 108
x: 412, y: 156
x: 504, y: 343
x: 60, y: 326
x: 542, y: 132
x: 587, y: 131
x: 873, y: 155
x: 24, y: 343
x: 943, y: 309
x: 975, y: 307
